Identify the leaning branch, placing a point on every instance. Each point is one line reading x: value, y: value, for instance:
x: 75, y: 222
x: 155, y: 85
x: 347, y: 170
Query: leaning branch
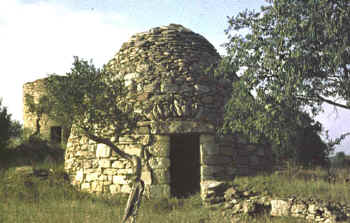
x: 108, y: 143
x: 332, y: 102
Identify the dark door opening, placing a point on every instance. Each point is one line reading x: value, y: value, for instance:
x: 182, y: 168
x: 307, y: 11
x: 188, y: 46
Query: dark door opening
x: 184, y: 165
x: 56, y: 134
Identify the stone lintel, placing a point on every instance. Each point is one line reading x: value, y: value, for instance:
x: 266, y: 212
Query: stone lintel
x: 178, y: 127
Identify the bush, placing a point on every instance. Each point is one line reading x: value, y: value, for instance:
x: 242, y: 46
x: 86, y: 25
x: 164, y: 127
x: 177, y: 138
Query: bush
x: 5, y: 127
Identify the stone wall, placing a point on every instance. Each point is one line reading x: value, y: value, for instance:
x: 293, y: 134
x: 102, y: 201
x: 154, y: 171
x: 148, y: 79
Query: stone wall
x: 248, y: 158
x: 236, y: 203
x: 97, y: 169
x: 37, y: 89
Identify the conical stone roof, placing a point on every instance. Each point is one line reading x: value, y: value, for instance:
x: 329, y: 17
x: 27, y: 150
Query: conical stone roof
x: 165, y: 70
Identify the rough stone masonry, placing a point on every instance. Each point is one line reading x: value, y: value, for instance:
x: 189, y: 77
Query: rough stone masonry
x: 169, y: 74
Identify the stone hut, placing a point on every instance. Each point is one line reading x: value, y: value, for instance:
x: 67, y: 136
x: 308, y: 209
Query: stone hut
x: 168, y: 74
x: 49, y: 129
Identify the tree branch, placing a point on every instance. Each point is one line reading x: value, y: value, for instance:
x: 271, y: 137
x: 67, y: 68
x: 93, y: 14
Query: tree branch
x: 108, y: 143
x: 332, y: 102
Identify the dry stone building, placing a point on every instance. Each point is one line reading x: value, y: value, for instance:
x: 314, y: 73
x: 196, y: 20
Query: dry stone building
x: 168, y: 72
x: 49, y: 129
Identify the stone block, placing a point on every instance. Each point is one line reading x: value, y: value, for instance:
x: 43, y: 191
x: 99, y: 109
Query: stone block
x: 118, y: 164
x: 103, y: 151
x: 119, y: 180
x: 215, y: 160
x: 114, y: 189
x: 82, y: 154
x: 159, y: 162
x: 280, y: 208
x: 87, y: 164
x: 110, y: 171
x: 134, y: 150
x: 161, y: 176
x: 161, y: 146
x: 254, y: 160
x: 85, y: 187
x: 126, y: 171
x: 102, y: 178
x: 79, y: 176
x: 104, y: 163
x: 208, y: 145
x: 96, y: 186
x: 146, y: 176
x: 91, y: 177
x: 127, y: 139
x: 228, y: 150
x: 125, y: 188
x: 260, y: 152
x: 299, y: 210
x: 212, y: 170
x: 146, y: 140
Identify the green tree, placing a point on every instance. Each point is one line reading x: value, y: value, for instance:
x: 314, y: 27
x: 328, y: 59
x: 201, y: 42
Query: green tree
x: 294, y: 56
x: 5, y: 126
x: 8, y: 127
x: 93, y: 100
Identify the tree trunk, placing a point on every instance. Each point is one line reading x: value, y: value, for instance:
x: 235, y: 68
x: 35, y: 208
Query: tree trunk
x: 135, y: 196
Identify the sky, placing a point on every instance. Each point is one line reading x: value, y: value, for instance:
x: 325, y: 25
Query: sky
x: 40, y: 37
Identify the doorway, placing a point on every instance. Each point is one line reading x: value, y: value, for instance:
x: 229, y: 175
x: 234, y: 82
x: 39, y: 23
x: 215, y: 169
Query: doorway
x: 184, y: 165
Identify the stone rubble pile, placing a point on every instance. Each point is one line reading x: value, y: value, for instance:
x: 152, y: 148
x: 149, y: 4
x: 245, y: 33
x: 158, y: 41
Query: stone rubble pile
x: 236, y: 203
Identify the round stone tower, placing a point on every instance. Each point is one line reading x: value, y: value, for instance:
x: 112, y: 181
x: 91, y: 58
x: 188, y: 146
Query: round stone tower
x: 49, y: 129
x: 169, y: 74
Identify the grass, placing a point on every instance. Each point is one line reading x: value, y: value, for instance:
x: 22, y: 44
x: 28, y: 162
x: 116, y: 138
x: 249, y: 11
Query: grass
x: 29, y: 199
x: 299, y: 185
x: 32, y: 199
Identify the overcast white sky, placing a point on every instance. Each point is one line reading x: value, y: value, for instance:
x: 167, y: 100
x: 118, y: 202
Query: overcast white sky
x: 39, y: 37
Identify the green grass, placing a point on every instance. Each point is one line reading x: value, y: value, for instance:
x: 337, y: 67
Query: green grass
x: 287, y: 186
x: 32, y: 199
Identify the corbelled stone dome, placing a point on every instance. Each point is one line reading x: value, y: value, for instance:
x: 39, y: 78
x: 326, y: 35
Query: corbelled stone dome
x: 168, y: 71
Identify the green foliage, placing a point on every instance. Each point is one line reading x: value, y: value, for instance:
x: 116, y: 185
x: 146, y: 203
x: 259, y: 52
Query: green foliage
x: 339, y: 160
x: 295, y: 51
x: 8, y: 127
x: 294, y: 56
x: 91, y: 98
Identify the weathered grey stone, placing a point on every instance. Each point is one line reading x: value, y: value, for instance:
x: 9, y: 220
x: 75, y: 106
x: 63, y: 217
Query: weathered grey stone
x: 91, y: 177
x: 114, y: 189
x: 216, y: 160
x: 96, y: 186
x: 280, y: 208
x: 161, y: 176
x: 79, y: 176
x: 211, y: 170
x: 146, y: 176
x: 103, y: 151
x: 105, y: 163
x: 125, y: 188
x: 119, y: 180
x: 159, y: 162
x: 85, y: 186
